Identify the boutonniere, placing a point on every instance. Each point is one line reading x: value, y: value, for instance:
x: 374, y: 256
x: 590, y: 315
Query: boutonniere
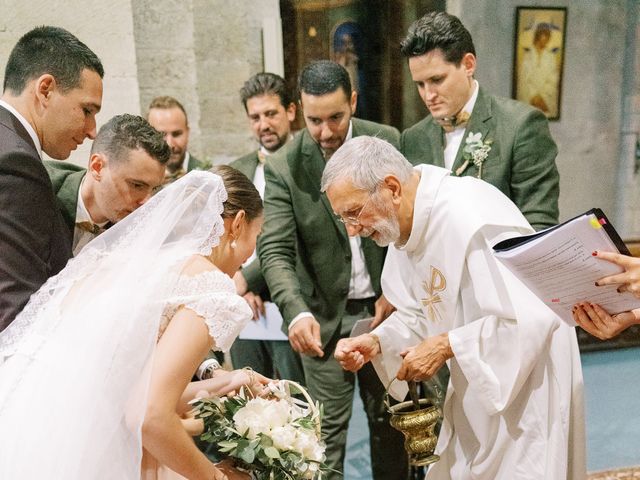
x: 475, y: 151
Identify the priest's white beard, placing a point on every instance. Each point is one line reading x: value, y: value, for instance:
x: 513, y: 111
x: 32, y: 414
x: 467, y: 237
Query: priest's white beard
x: 387, y: 229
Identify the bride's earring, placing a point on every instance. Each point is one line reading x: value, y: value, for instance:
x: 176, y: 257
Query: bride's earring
x: 233, y: 243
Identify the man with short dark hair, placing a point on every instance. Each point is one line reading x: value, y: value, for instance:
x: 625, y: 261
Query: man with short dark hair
x: 126, y: 167
x: 52, y: 93
x: 262, y: 345
x: 471, y: 132
x: 167, y: 115
x: 322, y: 281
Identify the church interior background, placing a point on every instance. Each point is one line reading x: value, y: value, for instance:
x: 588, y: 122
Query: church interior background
x: 201, y: 52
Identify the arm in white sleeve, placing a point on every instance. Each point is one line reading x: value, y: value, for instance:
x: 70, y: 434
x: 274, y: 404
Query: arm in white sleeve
x: 511, y: 333
x: 398, y: 332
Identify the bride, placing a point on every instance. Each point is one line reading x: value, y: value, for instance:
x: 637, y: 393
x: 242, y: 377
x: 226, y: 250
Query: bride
x: 96, y: 368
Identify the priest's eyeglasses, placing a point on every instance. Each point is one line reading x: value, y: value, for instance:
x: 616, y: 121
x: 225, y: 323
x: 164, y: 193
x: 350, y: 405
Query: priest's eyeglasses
x: 352, y: 220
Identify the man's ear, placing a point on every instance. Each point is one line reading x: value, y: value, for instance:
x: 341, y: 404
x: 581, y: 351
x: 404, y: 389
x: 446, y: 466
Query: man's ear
x: 393, y: 184
x: 291, y: 112
x: 44, y: 86
x: 353, y: 102
x: 97, y: 163
x: 469, y: 63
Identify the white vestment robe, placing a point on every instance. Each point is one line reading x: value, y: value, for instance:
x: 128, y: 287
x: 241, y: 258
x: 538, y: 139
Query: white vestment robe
x: 514, y: 404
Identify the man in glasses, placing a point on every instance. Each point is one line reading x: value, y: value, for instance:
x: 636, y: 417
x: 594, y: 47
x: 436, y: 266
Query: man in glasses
x: 322, y: 280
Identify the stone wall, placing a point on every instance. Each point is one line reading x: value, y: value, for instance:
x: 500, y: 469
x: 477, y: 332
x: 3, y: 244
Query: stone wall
x: 199, y: 51
x: 588, y: 132
x: 112, y: 41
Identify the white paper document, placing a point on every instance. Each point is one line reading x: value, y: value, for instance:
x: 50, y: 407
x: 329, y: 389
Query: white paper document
x: 267, y: 327
x: 557, y: 264
x: 361, y: 326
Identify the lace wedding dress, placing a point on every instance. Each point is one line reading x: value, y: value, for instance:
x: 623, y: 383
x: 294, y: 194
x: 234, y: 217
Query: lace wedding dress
x: 75, y: 364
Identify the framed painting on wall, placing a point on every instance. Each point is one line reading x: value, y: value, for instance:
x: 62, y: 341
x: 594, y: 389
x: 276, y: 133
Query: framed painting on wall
x: 539, y: 57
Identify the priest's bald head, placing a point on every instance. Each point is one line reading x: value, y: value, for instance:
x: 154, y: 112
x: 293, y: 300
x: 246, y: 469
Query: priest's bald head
x: 372, y: 187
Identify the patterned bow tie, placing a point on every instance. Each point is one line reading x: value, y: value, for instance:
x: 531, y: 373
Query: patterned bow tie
x: 449, y: 124
x: 90, y: 227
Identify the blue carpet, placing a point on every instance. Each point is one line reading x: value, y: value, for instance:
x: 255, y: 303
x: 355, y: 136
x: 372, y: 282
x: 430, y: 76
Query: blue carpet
x: 612, y: 396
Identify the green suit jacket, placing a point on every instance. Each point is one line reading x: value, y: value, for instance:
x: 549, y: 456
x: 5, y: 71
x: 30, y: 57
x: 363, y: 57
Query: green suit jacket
x: 195, y: 164
x: 304, y: 250
x: 66, y: 178
x: 252, y: 273
x: 521, y: 162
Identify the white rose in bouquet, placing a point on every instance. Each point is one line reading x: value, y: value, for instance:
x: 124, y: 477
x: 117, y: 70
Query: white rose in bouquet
x: 277, y: 438
x: 251, y: 420
x: 284, y: 437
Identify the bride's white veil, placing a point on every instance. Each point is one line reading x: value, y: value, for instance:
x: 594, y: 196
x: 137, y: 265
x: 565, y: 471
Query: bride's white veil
x: 74, y: 363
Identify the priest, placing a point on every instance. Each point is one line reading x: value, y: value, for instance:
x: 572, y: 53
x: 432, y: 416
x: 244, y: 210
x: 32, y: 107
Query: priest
x: 514, y: 403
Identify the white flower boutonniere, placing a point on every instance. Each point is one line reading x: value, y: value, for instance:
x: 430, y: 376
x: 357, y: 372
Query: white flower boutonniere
x: 475, y: 151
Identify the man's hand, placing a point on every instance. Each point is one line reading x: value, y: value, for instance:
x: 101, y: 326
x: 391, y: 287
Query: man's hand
x: 304, y: 337
x: 241, y: 283
x: 383, y: 310
x: 256, y: 304
x: 354, y: 353
x: 425, y: 359
x: 595, y: 320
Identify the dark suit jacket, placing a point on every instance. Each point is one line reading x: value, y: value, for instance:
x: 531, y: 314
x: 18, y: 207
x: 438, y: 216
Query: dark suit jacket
x: 34, y: 244
x: 521, y: 162
x: 65, y: 179
x: 304, y: 250
x: 252, y: 272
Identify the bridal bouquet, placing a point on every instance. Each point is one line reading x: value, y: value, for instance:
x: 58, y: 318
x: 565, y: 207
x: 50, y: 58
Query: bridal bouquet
x: 276, y: 437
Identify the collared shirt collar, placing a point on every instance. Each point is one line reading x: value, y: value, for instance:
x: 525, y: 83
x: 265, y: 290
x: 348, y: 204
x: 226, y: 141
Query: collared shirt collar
x: 350, y: 132
x: 26, y: 125
x: 468, y: 107
x: 185, y: 162
x: 82, y: 214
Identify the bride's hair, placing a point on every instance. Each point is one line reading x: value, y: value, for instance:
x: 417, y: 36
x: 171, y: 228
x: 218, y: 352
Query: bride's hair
x: 241, y: 193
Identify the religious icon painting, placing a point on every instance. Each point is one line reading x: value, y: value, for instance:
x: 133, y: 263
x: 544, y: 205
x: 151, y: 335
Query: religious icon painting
x: 539, y: 58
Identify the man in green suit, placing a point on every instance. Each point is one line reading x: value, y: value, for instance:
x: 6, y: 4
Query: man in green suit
x: 125, y: 167
x: 262, y: 345
x: 322, y: 280
x: 471, y: 132
x: 168, y: 116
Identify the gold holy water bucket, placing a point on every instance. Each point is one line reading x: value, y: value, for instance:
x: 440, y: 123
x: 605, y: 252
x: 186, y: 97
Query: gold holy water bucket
x: 418, y: 428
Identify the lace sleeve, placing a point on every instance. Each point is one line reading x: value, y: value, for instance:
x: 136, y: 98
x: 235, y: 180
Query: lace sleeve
x: 212, y: 296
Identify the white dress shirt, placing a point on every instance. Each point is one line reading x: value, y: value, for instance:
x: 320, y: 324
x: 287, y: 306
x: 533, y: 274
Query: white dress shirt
x: 454, y: 139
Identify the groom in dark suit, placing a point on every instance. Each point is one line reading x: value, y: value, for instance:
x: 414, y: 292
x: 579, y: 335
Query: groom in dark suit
x: 321, y: 280
x: 472, y: 132
x: 52, y: 92
x: 126, y: 167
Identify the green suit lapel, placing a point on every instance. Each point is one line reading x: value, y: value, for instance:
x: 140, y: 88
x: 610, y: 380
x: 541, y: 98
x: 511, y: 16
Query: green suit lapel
x: 314, y: 166
x: 479, y: 122
x: 433, y: 141
x: 247, y: 164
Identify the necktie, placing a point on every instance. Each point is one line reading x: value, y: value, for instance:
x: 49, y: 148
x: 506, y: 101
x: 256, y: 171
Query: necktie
x: 449, y: 124
x: 261, y: 157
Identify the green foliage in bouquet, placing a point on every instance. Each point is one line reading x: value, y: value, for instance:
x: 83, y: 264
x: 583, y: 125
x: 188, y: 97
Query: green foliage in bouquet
x: 277, y: 437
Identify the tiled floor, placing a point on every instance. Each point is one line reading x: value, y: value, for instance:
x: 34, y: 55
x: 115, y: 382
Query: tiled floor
x: 612, y: 391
